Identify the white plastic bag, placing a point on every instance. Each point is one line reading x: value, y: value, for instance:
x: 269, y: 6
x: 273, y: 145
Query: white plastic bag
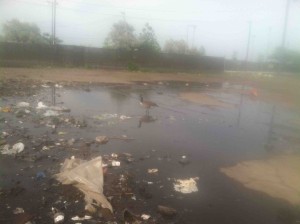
x: 87, y: 176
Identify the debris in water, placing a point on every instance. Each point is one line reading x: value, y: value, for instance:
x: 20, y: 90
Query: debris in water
x: 6, y: 109
x: 17, y: 148
x: 87, y: 176
x: 23, y: 104
x: 186, y: 186
x: 115, y: 163
x: 18, y: 211
x: 152, y: 170
x: 59, y: 217
x: 167, y: 211
x: 41, y: 105
x: 51, y: 113
x: 40, y: 175
x: 101, y: 139
x: 114, y: 155
x: 124, y: 117
x: 62, y: 133
x: 77, y: 218
x: 184, y: 160
x: 145, y: 216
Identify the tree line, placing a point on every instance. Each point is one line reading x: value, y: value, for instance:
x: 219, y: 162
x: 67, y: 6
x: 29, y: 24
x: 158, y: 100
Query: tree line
x: 121, y: 36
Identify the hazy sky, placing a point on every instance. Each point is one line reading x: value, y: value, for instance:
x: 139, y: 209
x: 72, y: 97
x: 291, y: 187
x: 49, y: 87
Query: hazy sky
x: 221, y: 26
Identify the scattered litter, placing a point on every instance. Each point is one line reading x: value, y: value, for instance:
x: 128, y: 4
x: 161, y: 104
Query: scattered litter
x: 152, y: 170
x: 167, y: 211
x: 87, y: 176
x: 186, y: 186
x: 145, y: 216
x: 51, y: 113
x: 124, y: 117
x: 17, y: 148
x: 114, y: 155
x: 59, y: 217
x: 45, y: 86
x: 45, y: 148
x: 41, y: 105
x: 77, y: 218
x: 62, y: 133
x: 101, y: 139
x: 6, y: 109
x: 58, y: 86
x: 40, y: 175
x: 18, y: 211
x: 23, y: 104
x: 115, y: 163
x: 184, y: 160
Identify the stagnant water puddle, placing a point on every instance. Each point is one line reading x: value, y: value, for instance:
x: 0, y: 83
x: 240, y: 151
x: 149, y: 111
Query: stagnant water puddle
x: 222, y: 136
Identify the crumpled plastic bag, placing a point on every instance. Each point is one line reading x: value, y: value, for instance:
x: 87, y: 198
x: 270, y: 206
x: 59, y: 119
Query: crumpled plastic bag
x: 87, y: 176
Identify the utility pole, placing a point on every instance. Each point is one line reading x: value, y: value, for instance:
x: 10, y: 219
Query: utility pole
x: 286, y: 18
x: 187, y: 35
x: 194, y: 30
x: 53, y: 21
x: 248, y: 44
x: 269, y: 42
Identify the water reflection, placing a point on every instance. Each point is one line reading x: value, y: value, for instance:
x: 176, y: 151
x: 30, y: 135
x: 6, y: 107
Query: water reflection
x: 146, y: 119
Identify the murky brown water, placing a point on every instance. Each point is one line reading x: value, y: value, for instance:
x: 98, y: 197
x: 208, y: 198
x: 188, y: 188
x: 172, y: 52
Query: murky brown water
x: 210, y: 136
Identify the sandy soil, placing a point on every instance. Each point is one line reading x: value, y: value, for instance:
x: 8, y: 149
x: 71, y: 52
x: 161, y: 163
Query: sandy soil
x: 100, y: 75
x: 278, y: 177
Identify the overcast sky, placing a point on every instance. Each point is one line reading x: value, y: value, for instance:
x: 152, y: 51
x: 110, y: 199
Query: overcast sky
x: 221, y: 26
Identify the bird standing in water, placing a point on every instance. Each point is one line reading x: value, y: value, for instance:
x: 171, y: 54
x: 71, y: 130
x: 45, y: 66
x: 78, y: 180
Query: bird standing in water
x: 147, y: 104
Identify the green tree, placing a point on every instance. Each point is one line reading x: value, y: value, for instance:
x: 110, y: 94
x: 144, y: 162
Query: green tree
x: 176, y: 47
x: 121, y: 36
x: 147, y: 39
x: 22, y: 32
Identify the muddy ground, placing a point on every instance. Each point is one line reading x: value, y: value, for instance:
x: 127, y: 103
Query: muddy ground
x: 203, y: 128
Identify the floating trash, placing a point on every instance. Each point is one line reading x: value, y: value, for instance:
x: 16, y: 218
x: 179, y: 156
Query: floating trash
x: 18, y: 211
x: 51, y: 113
x: 186, y: 186
x: 17, y: 148
x: 87, y: 176
x: 145, y: 216
x: 115, y: 163
x: 152, y: 170
x: 77, y: 218
x: 41, y: 105
x: 101, y: 139
x: 23, y: 104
